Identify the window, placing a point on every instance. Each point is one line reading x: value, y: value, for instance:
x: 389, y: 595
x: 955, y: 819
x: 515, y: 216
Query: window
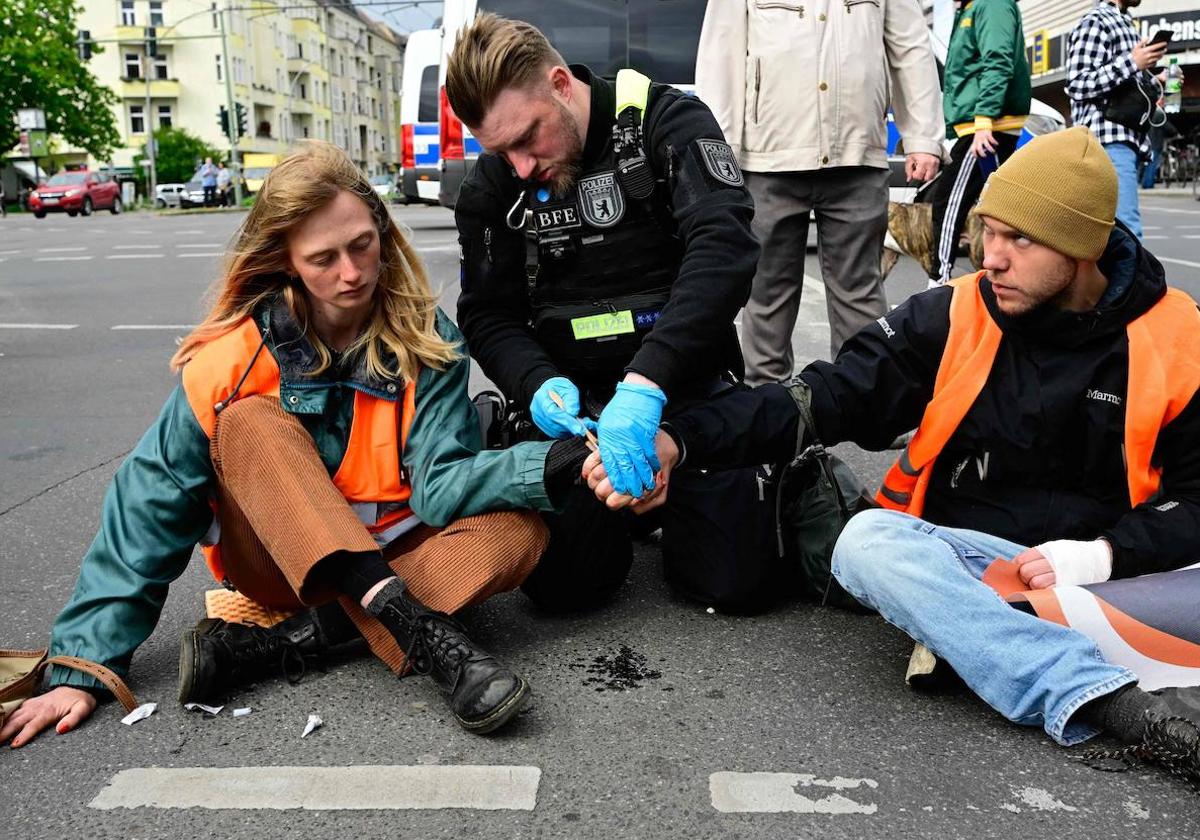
x: 216, y: 20
x: 156, y: 13
x: 160, y: 67
x: 303, y: 91
x: 128, y: 18
x: 427, y: 101
x: 220, y: 69
x: 133, y: 66
x: 137, y: 119
x: 164, y: 116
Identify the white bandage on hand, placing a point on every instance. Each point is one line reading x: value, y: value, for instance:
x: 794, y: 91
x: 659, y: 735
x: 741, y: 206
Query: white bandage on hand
x: 1076, y: 562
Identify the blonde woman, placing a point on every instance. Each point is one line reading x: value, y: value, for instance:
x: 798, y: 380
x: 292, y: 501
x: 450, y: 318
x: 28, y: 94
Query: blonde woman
x: 321, y: 449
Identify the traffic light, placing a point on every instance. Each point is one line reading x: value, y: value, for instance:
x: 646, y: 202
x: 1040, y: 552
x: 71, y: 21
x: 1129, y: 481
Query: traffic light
x: 223, y: 119
x: 83, y: 42
x: 151, y: 42
x: 241, y: 118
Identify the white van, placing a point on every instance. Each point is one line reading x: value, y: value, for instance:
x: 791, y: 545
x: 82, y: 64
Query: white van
x: 657, y: 37
x: 418, y: 174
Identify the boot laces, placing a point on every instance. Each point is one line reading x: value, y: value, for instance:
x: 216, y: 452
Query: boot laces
x: 262, y: 645
x: 1161, y: 745
x: 438, y: 639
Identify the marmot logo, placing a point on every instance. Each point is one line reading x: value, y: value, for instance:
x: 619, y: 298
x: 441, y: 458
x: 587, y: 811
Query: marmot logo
x: 886, y: 327
x: 1093, y: 394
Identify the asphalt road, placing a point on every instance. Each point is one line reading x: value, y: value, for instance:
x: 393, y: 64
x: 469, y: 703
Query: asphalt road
x: 89, y: 313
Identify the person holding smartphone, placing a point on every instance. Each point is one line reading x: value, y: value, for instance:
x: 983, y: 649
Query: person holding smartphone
x: 1104, y: 53
x: 985, y: 101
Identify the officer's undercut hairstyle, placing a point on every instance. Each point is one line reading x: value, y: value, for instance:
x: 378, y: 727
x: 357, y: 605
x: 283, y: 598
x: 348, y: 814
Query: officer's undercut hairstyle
x: 491, y: 55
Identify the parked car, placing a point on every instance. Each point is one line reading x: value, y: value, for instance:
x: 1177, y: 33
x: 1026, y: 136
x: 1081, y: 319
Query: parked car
x: 385, y: 185
x: 192, y: 194
x: 169, y: 195
x: 77, y: 192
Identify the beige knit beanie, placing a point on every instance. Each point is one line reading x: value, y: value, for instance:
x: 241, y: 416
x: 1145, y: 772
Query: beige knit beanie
x: 1058, y: 189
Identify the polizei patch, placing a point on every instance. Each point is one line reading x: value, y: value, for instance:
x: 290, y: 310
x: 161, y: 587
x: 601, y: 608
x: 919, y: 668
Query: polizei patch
x: 600, y: 200
x: 720, y: 162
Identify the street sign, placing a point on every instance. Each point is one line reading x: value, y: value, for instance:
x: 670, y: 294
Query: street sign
x: 31, y: 118
x: 39, y: 143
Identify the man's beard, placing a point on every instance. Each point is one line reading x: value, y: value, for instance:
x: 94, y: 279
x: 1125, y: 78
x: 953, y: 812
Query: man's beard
x: 569, y: 167
x: 1131, y: 4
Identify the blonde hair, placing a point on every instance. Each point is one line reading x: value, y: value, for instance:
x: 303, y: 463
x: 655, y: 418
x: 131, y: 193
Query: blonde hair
x: 491, y: 55
x: 403, y: 320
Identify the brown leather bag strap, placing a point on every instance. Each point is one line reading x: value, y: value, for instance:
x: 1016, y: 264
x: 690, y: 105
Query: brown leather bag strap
x: 110, y: 680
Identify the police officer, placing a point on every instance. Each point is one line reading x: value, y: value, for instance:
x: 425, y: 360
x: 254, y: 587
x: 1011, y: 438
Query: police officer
x: 606, y: 248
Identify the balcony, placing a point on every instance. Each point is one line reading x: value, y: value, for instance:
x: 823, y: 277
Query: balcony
x: 130, y: 34
x: 159, y: 89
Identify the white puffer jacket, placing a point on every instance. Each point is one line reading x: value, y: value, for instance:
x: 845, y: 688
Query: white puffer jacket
x: 799, y: 85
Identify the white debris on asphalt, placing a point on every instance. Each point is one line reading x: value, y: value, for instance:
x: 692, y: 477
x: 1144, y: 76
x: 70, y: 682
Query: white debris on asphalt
x: 212, y: 710
x: 313, y: 723
x: 140, y: 713
x: 711, y: 611
x: 242, y: 712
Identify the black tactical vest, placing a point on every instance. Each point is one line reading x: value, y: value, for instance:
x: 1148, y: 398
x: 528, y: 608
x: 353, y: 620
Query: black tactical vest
x: 599, y: 267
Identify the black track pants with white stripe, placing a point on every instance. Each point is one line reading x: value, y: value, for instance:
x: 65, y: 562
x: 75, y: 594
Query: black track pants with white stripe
x: 954, y: 194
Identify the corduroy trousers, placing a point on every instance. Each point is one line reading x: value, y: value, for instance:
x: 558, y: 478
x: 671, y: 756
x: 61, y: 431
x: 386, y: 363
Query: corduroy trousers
x: 282, y: 518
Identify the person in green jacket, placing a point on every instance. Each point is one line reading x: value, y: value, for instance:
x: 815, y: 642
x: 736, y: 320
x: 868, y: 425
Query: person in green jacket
x: 322, y: 450
x: 985, y: 100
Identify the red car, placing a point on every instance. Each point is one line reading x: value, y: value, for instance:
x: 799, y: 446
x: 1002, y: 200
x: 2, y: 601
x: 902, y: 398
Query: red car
x: 76, y: 192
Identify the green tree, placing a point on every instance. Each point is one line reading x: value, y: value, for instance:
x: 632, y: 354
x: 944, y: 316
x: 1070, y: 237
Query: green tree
x: 178, y: 153
x: 40, y: 68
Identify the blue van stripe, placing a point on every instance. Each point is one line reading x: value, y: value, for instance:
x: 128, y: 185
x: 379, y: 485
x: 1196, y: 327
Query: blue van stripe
x: 429, y: 157
x: 425, y: 128
x: 472, y: 146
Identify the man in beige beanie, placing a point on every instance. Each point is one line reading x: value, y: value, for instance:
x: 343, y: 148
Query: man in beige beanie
x: 1055, y: 399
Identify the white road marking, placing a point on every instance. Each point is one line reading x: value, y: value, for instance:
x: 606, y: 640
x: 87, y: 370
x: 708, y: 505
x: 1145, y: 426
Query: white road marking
x: 1188, y: 263
x: 778, y: 793
x: 202, y: 254
x: 133, y: 256
x: 1155, y: 236
x: 38, y: 326
x: 1171, y: 210
x: 60, y: 259
x: 441, y: 249
x: 136, y: 247
x: 59, y: 250
x: 153, y: 327
x: 10, y: 252
x: 201, y: 245
x: 324, y: 788
x: 1191, y: 236
x: 1040, y: 799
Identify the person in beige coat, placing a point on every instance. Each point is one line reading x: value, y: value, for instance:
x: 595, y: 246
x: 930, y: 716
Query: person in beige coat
x: 802, y: 90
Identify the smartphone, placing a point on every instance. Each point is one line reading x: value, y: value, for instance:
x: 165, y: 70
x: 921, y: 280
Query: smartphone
x: 1162, y: 36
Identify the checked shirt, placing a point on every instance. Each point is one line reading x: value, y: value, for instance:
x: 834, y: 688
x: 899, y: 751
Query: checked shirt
x: 1099, y: 58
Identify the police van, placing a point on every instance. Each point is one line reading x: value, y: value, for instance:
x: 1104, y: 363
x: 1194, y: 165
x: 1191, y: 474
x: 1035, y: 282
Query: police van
x: 657, y: 37
x: 419, y: 117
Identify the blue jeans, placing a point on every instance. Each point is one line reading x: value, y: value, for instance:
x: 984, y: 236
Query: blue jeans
x: 1125, y: 161
x: 925, y: 579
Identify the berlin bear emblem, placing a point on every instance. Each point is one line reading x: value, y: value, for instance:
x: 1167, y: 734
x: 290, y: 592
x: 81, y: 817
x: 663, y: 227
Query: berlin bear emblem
x: 720, y: 162
x: 601, y: 200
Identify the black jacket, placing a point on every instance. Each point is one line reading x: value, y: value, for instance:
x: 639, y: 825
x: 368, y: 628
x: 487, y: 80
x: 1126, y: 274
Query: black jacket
x: 1039, y: 455
x: 693, y: 338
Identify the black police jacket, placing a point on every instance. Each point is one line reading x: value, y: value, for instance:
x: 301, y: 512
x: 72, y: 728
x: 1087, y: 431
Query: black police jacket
x: 1038, y: 457
x: 691, y: 240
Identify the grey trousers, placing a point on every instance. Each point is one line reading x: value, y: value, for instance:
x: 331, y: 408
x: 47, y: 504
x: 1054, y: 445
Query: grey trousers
x: 850, y: 204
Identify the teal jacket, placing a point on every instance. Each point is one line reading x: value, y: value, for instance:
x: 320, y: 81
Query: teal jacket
x: 157, y: 507
x: 987, y: 76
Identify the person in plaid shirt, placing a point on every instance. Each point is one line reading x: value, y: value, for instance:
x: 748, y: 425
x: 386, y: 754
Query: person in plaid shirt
x: 1103, y: 51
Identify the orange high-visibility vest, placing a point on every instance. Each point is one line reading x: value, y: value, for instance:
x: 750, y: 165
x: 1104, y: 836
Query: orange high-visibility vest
x: 369, y: 477
x: 1164, y: 375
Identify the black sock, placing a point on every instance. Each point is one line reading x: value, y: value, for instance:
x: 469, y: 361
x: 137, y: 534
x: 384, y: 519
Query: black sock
x: 563, y: 464
x: 354, y: 573
x: 1123, y: 713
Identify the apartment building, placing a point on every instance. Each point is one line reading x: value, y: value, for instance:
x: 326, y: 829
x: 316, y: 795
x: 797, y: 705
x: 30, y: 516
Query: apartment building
x: 317, y: 69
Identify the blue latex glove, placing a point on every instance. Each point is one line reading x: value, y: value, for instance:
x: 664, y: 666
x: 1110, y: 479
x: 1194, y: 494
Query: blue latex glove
x: 628, y: 425
x: 558, y: 422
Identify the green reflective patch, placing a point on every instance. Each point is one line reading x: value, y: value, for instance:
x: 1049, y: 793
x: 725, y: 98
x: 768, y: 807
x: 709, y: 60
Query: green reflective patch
x: 604, y: 324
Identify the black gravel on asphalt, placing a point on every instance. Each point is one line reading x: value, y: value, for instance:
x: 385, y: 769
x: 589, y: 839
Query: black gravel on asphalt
x: 620, y: 671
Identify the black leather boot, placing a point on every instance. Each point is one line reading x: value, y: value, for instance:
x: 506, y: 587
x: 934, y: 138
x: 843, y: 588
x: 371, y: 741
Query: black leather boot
x: 217, y: 656
x: 482, y: 693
